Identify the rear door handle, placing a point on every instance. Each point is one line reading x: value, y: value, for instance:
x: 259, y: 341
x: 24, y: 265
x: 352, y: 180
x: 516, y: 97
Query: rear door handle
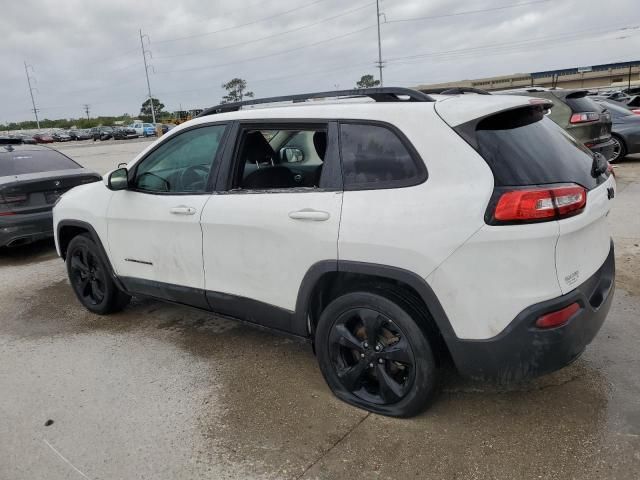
x: 310, y: 214
x: 183, y: 210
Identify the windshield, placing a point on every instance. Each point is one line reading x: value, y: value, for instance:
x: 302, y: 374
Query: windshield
x: 20, y: 162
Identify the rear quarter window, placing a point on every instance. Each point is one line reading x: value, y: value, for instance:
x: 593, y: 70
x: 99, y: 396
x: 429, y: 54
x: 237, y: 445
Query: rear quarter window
x: 581, y: 103
x: 21, y: 162
x: 524, y: 147
x: 375, y: 156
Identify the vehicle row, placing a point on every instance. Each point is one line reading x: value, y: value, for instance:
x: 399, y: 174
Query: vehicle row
x: 105, y: 132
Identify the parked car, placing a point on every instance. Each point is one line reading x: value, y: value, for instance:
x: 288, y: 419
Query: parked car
x: 356, y: 226
x: 123, y: 133
x: 22, y: 138
x: 144, y: 129
x: 578, y: 114
x: 43, y: 138
x: 101, y: 133
x: 61, y: 137
x: 625, y: 130
x: 76, y: 134
x: 32, y: 178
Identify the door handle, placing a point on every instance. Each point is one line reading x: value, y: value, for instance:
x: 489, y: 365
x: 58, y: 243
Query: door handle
x: 310, y: 214
x: 182, y: 210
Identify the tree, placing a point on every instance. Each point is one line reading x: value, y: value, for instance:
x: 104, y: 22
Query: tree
x: 145, y: 110
x: 367, y: 81
x: 235, y: 90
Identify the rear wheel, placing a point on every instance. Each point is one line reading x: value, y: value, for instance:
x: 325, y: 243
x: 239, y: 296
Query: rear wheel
x: 374, y: 355
x: 619, y: 149
x: 90, y: 278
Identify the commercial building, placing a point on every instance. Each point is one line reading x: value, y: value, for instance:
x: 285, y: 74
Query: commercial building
x: 595, y: 76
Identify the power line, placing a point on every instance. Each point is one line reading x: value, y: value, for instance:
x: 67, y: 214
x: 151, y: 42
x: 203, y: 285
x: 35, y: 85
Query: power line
x: 206, y: 67
x: 226, y: 29
x: 146, y: 71
x: 240, y: 44
x: 33, y: 102
x: 507, y: 45
x: 468, y: 12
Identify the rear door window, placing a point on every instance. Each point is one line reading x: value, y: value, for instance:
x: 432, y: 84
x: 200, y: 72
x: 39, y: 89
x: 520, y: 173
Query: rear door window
x: 523, y: 147
x: 20, y: 162
x: 374, y: 156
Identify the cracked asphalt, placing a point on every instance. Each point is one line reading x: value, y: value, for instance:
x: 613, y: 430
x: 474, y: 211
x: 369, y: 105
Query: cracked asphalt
x: 161, y: 391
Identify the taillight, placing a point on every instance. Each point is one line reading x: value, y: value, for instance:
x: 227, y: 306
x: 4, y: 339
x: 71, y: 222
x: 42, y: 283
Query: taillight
x: 539, y: 204
x: 10, y: 200
x: 557, y: 318
x: 636, y: 111
x: 584, y: 117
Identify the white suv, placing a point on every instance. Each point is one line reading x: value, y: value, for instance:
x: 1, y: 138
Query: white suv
x: 395, y: 229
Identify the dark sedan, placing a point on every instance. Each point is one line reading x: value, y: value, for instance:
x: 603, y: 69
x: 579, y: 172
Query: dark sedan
x: 625, y: 130
x: 32, y: 177
x: 124, y: 133
x: 80, y: 134
x: 61, y: 137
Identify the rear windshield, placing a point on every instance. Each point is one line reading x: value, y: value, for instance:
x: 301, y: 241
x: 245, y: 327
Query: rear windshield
x: 523, y: 147
x: 580, y: 103
x: 20, y: 162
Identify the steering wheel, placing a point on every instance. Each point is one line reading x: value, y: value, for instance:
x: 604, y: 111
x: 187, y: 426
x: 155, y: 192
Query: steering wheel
x: 194, y: 177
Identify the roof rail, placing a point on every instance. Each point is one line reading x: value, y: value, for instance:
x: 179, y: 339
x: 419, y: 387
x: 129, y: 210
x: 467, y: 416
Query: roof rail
x: 454, y: 91
x: 382, y: 94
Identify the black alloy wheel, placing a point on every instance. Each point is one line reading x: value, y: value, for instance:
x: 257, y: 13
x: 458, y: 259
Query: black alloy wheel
x: 87, y: 276
x: 371, y: 355
x: 374, y: 353
x: 90, y: 277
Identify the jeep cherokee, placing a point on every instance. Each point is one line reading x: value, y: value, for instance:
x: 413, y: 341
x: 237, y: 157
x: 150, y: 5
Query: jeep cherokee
x: 396, y: 230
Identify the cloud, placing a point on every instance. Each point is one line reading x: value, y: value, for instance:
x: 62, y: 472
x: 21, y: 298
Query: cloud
x: 89, y: 52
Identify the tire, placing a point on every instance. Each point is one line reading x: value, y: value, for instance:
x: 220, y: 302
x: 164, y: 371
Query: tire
x: 90, y: 277
x: 398, y: 375
x: 619, y: 150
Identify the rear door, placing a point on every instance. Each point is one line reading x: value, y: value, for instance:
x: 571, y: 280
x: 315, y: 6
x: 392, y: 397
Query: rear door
x: 272, y: 219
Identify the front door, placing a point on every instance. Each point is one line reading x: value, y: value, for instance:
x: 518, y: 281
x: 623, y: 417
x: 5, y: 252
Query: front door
x: 277, y: 216
x: 154, y: 234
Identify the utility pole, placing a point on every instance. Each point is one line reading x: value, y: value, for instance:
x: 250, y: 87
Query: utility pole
x: 86, y: 109
x: 146, y: 71
x: 33, y: 102
x: 380, y: 66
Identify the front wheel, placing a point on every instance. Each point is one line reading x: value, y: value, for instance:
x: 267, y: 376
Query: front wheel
x: 374, y: 355
x: 90, y: 278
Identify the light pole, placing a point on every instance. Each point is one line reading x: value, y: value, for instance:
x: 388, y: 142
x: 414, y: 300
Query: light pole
x: 146, y: 71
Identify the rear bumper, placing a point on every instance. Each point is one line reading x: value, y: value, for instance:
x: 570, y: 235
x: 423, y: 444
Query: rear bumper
x: 604, y: 148
x: 523, y: 351
x: 20, y: 229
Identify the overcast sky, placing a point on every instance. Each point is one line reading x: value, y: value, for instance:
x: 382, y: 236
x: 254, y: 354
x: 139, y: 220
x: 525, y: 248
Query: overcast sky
x: 86, y: 52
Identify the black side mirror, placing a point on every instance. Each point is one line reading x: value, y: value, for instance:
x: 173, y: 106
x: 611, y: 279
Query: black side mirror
x: 118, y: 179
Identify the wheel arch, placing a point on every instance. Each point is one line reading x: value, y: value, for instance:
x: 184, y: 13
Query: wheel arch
x: 327, y: 279
x: 66, y: 230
